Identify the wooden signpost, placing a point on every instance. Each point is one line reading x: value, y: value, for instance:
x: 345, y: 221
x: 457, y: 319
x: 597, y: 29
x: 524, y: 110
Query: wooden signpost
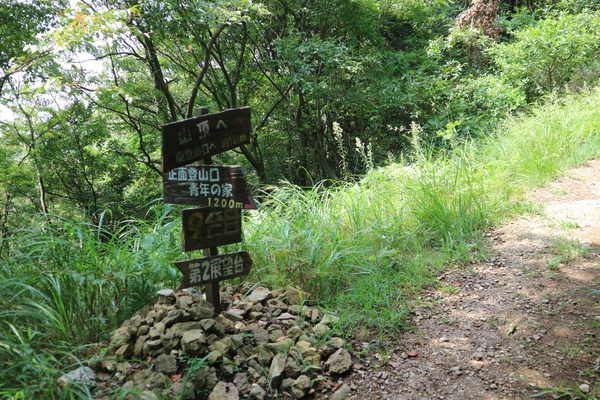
x: 208, y: 186
x: 205, y: 228
x: 216, y: 268
x: 194, y: 139
x: 221, y: 192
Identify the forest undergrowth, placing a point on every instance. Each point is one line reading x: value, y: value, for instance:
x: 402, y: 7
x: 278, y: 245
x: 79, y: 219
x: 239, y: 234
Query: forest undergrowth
x: 362, y: 249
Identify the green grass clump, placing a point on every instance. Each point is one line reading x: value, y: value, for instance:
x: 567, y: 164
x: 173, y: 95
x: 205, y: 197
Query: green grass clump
x: 531, y: 150
x: 65, y: 285
x: 364, y: 248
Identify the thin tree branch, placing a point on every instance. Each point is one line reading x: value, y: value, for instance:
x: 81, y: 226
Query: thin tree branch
x: 205, y: 64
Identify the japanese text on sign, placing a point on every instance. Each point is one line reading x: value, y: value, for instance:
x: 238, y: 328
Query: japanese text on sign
x: 208, y: 186
x: 204, y: 228
x: 204, y: 182
x: 214, y: 268
x: 192, y: 139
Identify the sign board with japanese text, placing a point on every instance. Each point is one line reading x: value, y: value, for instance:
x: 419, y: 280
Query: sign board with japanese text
x: 196, y: 138
x: 208, y: 186
x: 215, y: 268
x: 208, y: 227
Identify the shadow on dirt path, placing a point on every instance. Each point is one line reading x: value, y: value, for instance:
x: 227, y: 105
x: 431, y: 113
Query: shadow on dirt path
x: 517, y: 323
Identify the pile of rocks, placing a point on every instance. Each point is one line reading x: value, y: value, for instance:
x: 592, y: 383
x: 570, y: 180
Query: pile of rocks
x: 268, y: 344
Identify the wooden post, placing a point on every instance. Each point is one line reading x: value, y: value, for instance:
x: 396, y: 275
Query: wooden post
x: 213, y: 296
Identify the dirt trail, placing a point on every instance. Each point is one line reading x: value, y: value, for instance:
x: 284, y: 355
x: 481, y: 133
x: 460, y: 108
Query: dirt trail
x: 502, y: 329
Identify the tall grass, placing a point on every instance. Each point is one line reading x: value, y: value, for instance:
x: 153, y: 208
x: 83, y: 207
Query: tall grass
x: 66, y: 285
x: 532, y: 149
x: 364, y: 248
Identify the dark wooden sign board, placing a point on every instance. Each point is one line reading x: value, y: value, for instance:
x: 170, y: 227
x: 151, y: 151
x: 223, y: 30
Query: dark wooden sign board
x: 193, y: 139
x: 208, y: 186
x: 205, y: 228
x: 198, y: 139
x: 213, y: 269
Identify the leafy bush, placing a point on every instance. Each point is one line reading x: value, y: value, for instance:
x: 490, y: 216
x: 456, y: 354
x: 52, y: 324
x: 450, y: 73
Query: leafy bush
x: 545, y: 56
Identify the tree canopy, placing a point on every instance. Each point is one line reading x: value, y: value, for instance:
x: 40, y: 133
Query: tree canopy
x: 334, y: 87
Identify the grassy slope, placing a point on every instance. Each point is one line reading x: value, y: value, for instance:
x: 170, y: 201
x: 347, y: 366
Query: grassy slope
x: 362, y: 249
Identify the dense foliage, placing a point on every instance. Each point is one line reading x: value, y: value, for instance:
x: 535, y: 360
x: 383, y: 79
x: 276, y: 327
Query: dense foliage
x: 334, y: 86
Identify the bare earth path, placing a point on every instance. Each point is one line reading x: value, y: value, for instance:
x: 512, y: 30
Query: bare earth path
x: 502, y: 329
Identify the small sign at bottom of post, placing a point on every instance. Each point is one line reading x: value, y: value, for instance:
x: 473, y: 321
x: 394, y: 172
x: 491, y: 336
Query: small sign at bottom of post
x: 215, y: 268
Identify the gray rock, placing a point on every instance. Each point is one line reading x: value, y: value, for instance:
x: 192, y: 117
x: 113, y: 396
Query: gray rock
x: 228, y: 325
x: 265, y: 356
x: 224, y: 391
x: 181, y: 390
x: 329, y: 319
x: 339, y: 362
x: 148, y: 395
x: 321, y: 329
x: 219, y: 348
x: 205, y: 378
x: 235, y: 314
x: 147, y: 379
x: 228, y: 367
x: 166, y: 296
x: 124, y: 352
x: 152, y: 348
x: 166, y: 364
x: 136, y: 321
x: 295, y: 332
x: 170, y: 340
x: 138, y: 348
x: 282, y: 346
x: 120, y: 337
x: 295, y: 295
x: 173, y: 317
x: 308, y: 352
x: 292, y: 369
x: 201, y: 310
x: 275, y: 334
x: 82, y: 375
x: 301, y: 386
x: 212, y: 326
x: 286, y: 384
x: 157, y: 330
x: 259, y: 295
x: 194, y: 342
x: 261, y: 336
x: 276, y: 369
x: 185, y: 302
x: 244, y: 305
x: 241, y: 382
x: 257, y: 392
x: 342, y: 393
x: 336, y: 342
x: 143, y: 330
x: 238, y: 340
x: 166, y: 293
x: 182, y: 327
